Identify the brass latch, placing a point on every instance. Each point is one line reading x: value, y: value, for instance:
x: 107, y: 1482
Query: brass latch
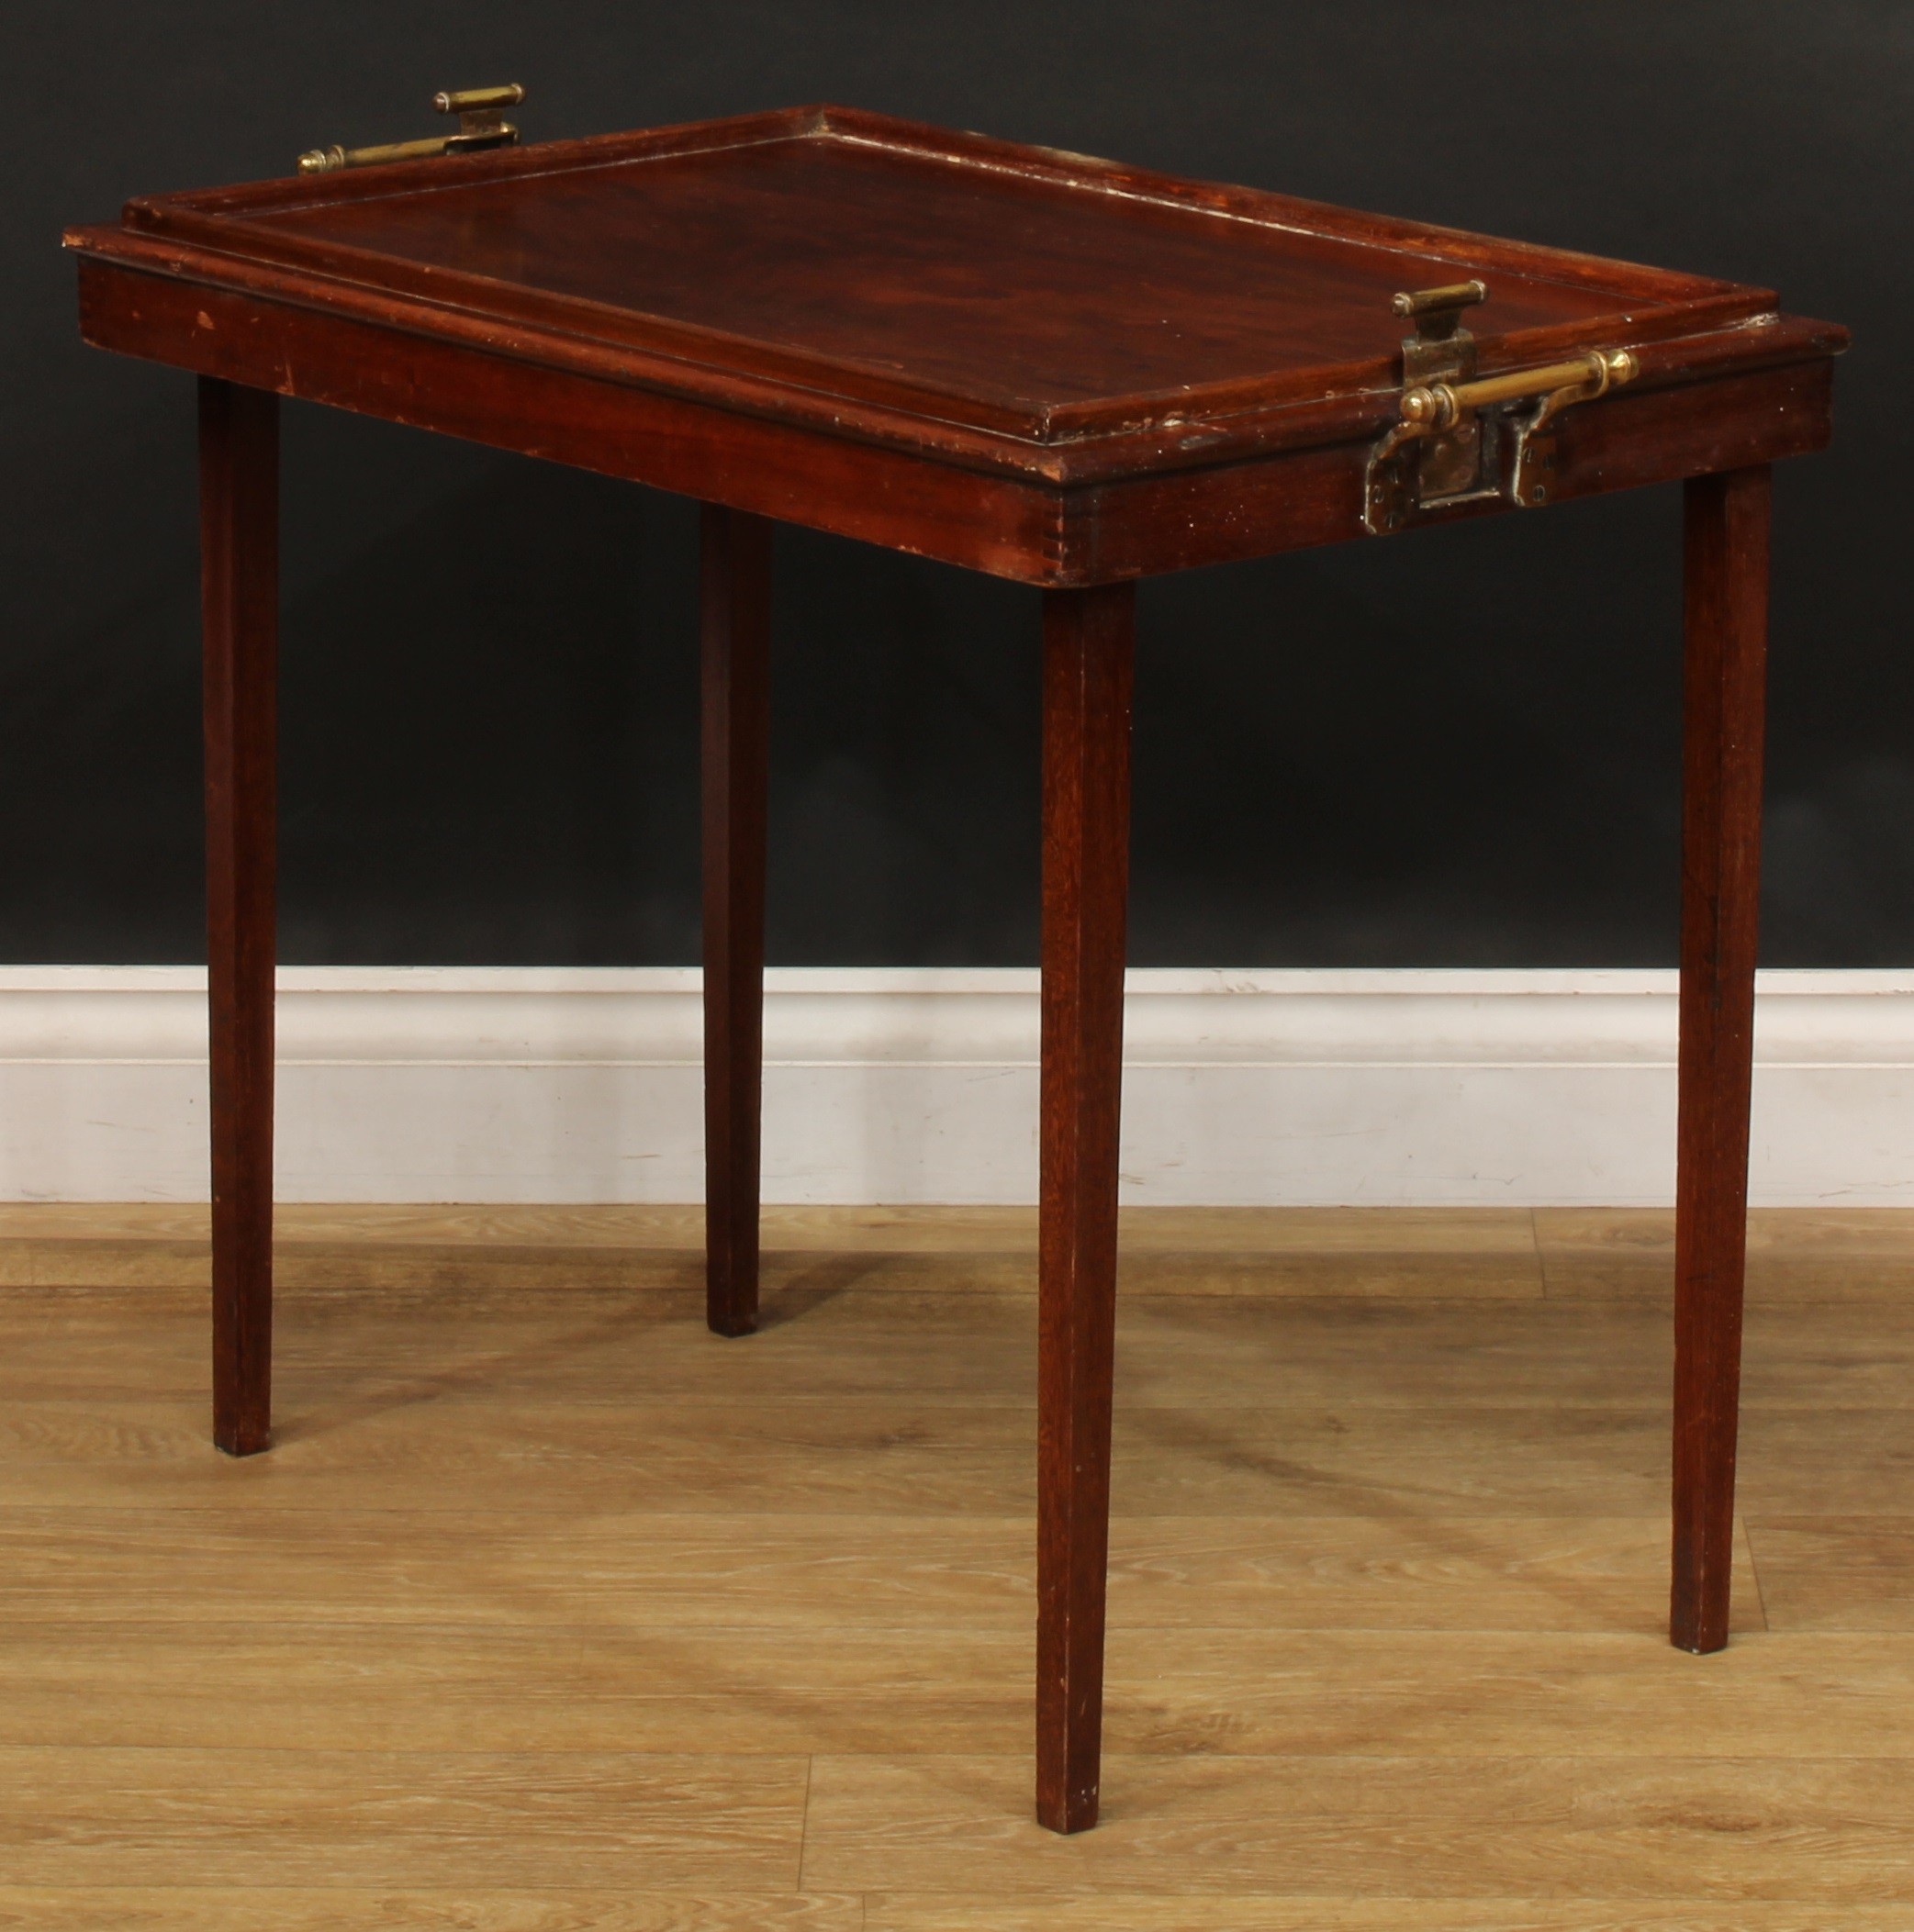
x: 482, y: 124
x: 1459, y: 437
x: 1440, y: 346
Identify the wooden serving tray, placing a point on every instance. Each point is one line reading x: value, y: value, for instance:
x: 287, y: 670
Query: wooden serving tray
x: 1036, y: 363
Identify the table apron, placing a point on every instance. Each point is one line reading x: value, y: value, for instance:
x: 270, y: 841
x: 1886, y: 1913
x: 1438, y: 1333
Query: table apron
x: 1177, y: 519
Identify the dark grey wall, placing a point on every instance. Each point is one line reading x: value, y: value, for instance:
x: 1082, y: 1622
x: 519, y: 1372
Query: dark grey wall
x: 1447, y: 749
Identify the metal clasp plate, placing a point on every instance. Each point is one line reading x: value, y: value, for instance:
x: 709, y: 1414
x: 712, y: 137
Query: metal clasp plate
x: 1460, y: 438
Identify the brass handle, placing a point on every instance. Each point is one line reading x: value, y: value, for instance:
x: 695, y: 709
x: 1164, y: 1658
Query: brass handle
x: 482, y: 124
x: 1449, y: 299
x: 1439, y: 405
x: 478, y: 100
x: 327, y: 161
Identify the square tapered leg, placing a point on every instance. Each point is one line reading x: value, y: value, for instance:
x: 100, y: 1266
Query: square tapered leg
x: 1726, y: 603
x: 1087, y: 651
x: 238, y: 513
x: 736, y: 572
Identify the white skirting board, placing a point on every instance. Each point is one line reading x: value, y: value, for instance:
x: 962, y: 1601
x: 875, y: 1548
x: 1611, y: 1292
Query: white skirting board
x: 1390, y: 1087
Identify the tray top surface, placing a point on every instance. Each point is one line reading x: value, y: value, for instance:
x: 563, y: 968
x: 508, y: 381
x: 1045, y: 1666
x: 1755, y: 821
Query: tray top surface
x: 978, y: 282
x: 1030, y: 293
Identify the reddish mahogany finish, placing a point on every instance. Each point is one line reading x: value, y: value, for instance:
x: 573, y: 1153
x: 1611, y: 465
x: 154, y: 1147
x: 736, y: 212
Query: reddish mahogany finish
x: 238, y: 538
x: 847, y: 252
x: 1737, y: 397
x: 859, y: 265
x: 1059, y: 370
x: 1726, y: 595
x: 1049, y: 367
x: 1087, y: 653
x: 736, y: 674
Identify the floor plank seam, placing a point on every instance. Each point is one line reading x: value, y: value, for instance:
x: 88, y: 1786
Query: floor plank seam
x: 1761, y: 1594
x: 804, y: 1819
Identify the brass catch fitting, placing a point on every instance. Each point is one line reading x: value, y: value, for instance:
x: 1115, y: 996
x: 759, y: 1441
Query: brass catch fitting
x: 482, y: 124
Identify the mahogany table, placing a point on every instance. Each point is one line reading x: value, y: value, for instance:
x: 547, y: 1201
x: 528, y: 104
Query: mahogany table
x: 1052, y: 368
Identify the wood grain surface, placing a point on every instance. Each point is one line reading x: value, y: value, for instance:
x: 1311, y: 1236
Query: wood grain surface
x: 1089, y: 669
x: 986, y: 282
x: 1724, y: 705
x: 239, y: 556
x: 1058, y: 369
x: 734, y: 779
x: 551, y: 1610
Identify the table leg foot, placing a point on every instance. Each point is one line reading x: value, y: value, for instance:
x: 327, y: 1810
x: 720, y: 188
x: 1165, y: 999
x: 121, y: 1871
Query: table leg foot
x: 736, y: 574
x: 1725, y: 624
x: 238, y: 486
x: 1087, y: 651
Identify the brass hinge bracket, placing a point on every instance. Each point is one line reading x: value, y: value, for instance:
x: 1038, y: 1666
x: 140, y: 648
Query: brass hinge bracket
x: 482, y: 124
x: 1461, y: 438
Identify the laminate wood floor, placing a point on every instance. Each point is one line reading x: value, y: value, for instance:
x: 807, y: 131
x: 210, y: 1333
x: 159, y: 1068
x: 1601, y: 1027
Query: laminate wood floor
x: 550, y: 1610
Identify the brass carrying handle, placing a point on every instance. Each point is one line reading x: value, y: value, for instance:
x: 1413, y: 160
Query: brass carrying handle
x: 478, y: 100
x: 482, y: 124
x: 329, y: 161
x: 1436, y: 406
x: 1436, y: 312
